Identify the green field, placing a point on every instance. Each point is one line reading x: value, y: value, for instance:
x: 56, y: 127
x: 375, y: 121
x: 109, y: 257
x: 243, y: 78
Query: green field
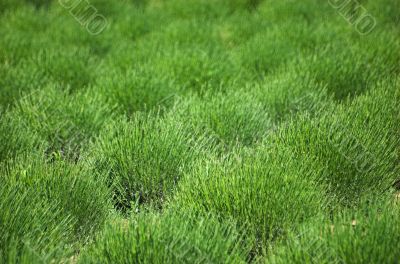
x: 199, y: 131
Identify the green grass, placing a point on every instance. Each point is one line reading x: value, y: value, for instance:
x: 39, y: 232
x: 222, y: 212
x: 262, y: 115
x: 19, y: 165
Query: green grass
x: 48, y: 206
x: 62, y: 122
x: 353, y: 147
x: 168, y: 238
x: 365, y: 235
x: 231, y: 119
x: 199, y: 131
x: 256, y: 188
x: 143, y: 159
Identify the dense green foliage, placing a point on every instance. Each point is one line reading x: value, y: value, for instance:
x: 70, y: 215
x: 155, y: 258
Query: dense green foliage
x: 199, y: 131
x: 48, y: 204
x: 143, y: 159
x: 369, y: 234
x: 170, y: 238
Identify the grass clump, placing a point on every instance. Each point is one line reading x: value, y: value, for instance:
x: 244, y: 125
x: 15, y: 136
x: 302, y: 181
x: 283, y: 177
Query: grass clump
x: 234, y: 118
x: 32, y: 230
x: 348, y: 70
x: 72, y: 67
x: 367, y: 235
x: 64, y: 124
x: 262, y: 189
x: 197, y: 69
x: 18, y: 82
x: 144, y: 158
x: 265, y: 52
x: 14, y: 138
x: 137, y: 90
x: 287, y: 93
x: 169, y: 238
x: 49, y: 207
x: 354, y: 150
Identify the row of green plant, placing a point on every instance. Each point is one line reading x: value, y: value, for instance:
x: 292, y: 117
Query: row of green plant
x: 197, y: 131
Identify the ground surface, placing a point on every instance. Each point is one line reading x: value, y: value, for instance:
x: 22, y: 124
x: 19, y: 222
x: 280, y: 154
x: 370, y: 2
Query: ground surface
x: 199, y: 131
